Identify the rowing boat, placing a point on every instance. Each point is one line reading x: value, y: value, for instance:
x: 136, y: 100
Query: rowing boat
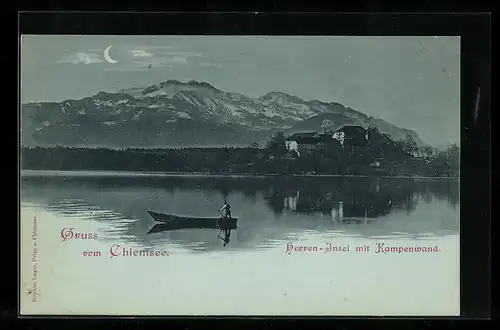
x: 165, y: 217
x: 175, y: 222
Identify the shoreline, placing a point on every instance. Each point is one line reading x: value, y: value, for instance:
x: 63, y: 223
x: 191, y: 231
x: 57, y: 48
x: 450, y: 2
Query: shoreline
x: 82, y: 173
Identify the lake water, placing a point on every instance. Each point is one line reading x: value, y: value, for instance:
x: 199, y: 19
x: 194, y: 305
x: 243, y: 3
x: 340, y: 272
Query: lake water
x: 260, y: 271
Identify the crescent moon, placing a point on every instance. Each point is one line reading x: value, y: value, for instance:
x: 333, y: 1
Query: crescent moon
x: 107, y: 57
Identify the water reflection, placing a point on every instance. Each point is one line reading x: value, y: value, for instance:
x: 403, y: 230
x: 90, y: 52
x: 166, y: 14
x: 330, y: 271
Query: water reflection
x: 271, y: 210
x: 355, y: 198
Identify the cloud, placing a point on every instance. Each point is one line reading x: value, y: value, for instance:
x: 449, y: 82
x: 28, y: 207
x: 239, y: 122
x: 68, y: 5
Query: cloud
x: 126, y: 69
x: 157, y: 57
x: 176, y: 59
x: 183, y: 54
x: 211, y: 65
x: 162, y: 61
x: 141, y: 53
x: 148, y: 47
x: 81, y: 58
x: 140, y: 64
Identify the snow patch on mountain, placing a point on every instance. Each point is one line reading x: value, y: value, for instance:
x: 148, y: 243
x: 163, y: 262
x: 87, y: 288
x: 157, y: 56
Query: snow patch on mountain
x: 102, y: 103
x: 210, y: 103
x: 137, y: 114
x: 189, y: 98
x: 231, y: 110
x: 156, y: 105
x: 158, y: 92
x: 116, y: 111
x: 183, y: 115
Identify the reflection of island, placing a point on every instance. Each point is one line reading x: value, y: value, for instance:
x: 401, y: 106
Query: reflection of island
x: 270, y: 209
x: 346, y: 200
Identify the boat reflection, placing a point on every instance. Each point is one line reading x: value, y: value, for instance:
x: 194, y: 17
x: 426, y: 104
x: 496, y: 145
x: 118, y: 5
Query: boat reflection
x: 160, y: 227
x: 224, y: 234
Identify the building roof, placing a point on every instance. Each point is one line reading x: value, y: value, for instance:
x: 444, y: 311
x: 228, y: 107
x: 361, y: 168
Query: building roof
x: 316, y: 140
x: 351, y: 129
x: 308, y: 140
x: 313, y: 138
x: 303, y: 135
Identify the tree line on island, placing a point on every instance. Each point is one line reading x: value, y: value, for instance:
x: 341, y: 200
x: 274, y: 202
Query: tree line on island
x: 393, y: 157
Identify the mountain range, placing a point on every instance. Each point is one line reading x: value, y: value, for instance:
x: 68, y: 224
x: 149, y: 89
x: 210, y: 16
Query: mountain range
x: 180, y: 114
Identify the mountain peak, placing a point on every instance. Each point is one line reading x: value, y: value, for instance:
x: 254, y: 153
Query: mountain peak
x: 275, y: 93
x: 278, y: 96
x: 171, y: 82
x: 169, y: 88
x: 201, y: 84
x: 189, y: 83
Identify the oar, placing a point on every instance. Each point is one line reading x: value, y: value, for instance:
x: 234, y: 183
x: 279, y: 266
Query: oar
x: 221, y: 214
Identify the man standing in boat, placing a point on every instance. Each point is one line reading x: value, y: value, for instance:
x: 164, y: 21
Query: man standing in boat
x: 227, y: 232
x: 227, y: 209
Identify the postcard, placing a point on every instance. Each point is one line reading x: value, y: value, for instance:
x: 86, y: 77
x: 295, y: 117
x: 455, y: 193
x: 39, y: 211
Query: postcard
x: 240, y: 175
